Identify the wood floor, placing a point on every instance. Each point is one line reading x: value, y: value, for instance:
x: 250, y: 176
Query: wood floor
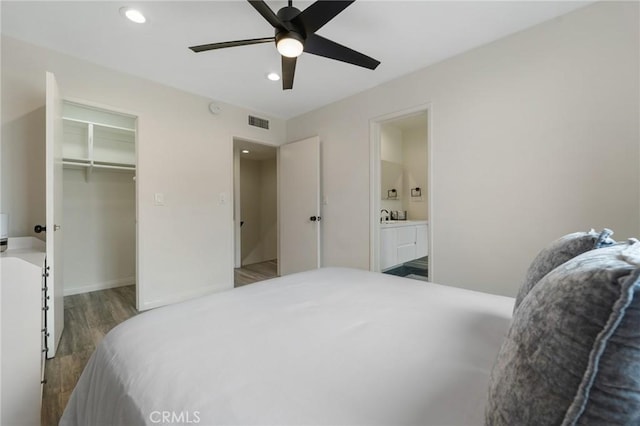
x: 87, y: 318
x: 255, y: 272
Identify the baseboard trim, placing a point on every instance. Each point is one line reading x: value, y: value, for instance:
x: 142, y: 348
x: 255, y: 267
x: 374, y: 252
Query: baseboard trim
x: 100, y: 286
x: 198, y: 292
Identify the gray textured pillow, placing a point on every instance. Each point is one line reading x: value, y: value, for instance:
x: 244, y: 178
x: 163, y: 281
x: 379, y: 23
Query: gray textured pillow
x: 572, y: 353
x: 558, y: 252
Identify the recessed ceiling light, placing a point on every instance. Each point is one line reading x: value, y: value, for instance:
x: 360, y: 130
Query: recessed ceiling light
x: 273, y: 76
x: 133, y: 15
x: 245, y: 151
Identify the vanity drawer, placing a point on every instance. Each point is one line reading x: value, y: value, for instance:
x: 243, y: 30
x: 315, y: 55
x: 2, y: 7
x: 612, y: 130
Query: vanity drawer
x: 406, y: 253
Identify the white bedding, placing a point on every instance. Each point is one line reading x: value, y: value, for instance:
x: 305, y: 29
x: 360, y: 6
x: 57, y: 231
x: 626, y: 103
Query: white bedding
x: 333, y: 346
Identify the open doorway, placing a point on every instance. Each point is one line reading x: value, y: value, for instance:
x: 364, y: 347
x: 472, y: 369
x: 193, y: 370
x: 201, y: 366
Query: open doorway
x: 400, y: 216
x: 255, y: 212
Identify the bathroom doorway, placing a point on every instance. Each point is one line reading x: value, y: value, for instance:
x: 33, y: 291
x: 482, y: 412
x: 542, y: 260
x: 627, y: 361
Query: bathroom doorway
x: 400, y: 216
x: 255, y: 212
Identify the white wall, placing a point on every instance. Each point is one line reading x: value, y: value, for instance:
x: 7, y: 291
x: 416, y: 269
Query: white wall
x: 391, y: 144
x: 185, y: 152
x: 533, y: 136
x: 414, y: 154
x: 269, y: 208
x: 391, y: 150
x: 259, y: 210
x: 23, y: 168
x: 99, y: 234
x: 250, y: 210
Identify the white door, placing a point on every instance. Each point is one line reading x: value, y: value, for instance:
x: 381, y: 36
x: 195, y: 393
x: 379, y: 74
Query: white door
x: 299, y: 215
x: 55, y: 314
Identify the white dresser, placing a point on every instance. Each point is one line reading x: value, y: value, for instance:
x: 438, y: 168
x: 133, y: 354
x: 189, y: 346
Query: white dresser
x: 402, y: 241
x: 24, y: 299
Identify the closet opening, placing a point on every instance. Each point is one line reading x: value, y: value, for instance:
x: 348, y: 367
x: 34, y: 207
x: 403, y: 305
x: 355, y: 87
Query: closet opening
x: 99, y: 200
x: 255, y: 212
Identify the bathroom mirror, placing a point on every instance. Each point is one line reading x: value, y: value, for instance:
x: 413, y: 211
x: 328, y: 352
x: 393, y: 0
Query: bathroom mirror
x: 391, y: 183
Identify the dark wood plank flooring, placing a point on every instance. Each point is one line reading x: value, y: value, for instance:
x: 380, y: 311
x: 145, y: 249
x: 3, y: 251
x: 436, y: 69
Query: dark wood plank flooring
x: 88, y: 317
x: 255, y: 272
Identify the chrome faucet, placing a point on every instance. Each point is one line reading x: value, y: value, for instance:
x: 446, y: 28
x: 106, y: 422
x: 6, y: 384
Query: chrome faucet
x: 384, y: 211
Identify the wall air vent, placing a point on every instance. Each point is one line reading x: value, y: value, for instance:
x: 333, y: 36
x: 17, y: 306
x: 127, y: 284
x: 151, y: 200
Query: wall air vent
x: 258, y: 122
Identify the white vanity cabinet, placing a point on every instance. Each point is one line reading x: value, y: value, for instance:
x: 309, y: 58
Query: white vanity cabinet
x: 402, y: 241
x: 422, y: 241
x: 388, y: 247
x: 24, y: 299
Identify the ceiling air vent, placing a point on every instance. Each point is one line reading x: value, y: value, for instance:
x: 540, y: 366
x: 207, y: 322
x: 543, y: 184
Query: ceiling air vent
x: 258, y: 122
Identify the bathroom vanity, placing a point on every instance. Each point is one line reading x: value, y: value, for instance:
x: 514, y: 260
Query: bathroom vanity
x: 402, y: 241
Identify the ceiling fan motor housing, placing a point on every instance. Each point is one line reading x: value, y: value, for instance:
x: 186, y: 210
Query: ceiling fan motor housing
x: 294, y: 29
x: 288, y: 13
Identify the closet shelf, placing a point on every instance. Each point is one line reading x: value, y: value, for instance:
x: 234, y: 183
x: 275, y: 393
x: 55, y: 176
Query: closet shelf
x: 97, y: 139
x: 76, y: 161
x: 109, y: 126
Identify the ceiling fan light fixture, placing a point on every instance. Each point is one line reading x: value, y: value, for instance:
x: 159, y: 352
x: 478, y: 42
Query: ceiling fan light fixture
x: 289, y: 45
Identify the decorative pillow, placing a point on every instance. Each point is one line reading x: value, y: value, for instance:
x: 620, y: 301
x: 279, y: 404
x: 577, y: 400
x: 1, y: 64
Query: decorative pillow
x: 572, y: 353
x: 557, y: 253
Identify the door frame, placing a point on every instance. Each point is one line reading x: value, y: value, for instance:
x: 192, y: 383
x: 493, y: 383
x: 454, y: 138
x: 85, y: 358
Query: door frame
x: 375, y: 186
x: 236, y: 241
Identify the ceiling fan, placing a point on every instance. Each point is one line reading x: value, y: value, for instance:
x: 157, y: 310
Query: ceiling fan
x: 295, y: 32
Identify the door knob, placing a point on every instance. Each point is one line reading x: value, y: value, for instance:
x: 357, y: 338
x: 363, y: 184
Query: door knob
x: 56, y: 227
x: 315, y: 218
x: 39, y: 228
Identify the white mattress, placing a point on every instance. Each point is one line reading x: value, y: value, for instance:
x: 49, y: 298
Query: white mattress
x: 332, y: 346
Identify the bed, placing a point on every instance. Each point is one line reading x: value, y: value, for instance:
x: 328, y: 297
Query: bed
x: 330, y: 346
x: 340, y: 346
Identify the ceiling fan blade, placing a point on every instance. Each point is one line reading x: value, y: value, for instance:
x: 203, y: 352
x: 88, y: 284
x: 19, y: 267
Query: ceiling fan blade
x: 288, y: 70
x: 267, y: 13
x: 212, y: 46
x: 319, y: 13
x: 321, y: 46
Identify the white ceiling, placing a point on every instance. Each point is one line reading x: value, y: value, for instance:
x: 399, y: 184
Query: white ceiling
x: 404, y: 35
x: 409, y: 123
x: 257, y: 151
